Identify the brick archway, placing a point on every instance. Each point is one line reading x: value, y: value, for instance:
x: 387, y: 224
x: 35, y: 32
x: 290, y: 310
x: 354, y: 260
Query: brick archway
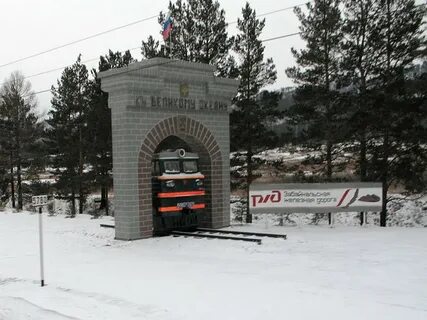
x: 203, y: 142
x: 154, y: 103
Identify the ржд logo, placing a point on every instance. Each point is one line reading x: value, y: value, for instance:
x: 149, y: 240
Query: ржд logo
x: 273, y: 197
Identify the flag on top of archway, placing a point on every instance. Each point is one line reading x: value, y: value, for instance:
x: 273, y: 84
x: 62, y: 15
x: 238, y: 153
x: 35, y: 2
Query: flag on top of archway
x: 167, y: 27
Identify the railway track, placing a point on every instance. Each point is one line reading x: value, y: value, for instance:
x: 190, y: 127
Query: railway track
x: 227, y: 235
x: 221, y: 234
x: 245, y: 233
x: 198, y: 234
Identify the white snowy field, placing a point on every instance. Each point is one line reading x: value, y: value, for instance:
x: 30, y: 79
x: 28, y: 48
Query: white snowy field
x: 318, y: 273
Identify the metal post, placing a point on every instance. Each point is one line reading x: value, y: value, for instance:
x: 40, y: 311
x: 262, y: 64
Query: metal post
x: 331, y: 220
x: 41, y: 247
x: 170, y: 45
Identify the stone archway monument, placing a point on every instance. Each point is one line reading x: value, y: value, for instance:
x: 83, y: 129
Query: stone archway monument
x: 159, y: 99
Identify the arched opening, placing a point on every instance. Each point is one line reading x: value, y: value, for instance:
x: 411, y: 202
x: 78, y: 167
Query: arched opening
x: 195, y: 137
x: 173, y: 143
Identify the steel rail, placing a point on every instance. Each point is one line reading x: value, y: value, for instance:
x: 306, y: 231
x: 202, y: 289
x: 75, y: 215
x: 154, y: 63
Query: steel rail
x: 207, y: 235
x: 246, y: 233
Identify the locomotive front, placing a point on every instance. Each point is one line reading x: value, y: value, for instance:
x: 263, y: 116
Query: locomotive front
x: 178, y: 191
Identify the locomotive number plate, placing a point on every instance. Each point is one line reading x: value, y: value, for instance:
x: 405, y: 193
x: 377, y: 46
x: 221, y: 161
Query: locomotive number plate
x: 185, y: 204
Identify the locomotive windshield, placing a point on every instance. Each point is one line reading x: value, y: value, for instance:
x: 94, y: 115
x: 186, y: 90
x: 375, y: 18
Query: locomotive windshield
x: 190, y: 166
x: 171, y: 166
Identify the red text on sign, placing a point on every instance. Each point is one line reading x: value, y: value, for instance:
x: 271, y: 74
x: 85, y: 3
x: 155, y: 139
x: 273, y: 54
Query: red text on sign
x: 274, y: 197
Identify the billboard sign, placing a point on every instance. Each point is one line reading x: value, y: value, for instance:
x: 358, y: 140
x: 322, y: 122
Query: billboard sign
x: 315, y: 197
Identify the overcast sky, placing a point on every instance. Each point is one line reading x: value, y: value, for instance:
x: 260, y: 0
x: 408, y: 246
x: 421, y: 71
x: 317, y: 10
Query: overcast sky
x: 28, y: 27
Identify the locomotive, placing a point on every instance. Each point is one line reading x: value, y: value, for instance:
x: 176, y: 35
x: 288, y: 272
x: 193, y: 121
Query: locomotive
x: 178, y: 191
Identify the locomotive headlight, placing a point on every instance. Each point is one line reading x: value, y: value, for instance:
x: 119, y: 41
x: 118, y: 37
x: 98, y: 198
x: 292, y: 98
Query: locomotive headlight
x: 199, y: 182
x: 170, y: 183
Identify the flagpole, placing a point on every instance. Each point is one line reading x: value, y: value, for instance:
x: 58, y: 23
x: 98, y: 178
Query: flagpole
x: 170, y: 45
x: 167, y: 33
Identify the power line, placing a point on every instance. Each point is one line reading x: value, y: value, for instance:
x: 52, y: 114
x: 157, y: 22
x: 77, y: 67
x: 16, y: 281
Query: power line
x: 172, y: 61
x: 138, y: 21
x: 56, y: 69
x: 275, y: 11
x: 121, y: 27
x: 280, y: 37
x: 144, y: 67
x: 133, y: 23
x: 129, y: 24
x: 77, y: 41
x: 131, y: 49
x: 38, y: 92
x: 68, y: 65
x: 284, y: 9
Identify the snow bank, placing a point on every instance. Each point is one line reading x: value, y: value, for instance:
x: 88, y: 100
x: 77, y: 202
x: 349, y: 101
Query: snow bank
x: 407, y: 213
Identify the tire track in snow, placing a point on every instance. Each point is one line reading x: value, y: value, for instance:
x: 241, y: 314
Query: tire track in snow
x: 21, y: 308
x: 5, y: 281
x: 136, y: 310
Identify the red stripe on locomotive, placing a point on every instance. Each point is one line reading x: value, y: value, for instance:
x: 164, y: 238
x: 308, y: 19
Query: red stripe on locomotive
x: 175, y: 208
x: 180, y: 194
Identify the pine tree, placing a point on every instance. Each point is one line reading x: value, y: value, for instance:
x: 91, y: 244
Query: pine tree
x: 115, y: 60
x: 152, y: 48
x: 68, y: 125
x: 4, y: 178
x: 212, y: 42
x: 19, y: 127
x: 400, y: 119
x: 317, y: 74
x: 254, y: 111
x: 199, y: 34
x: 360, y: 61
x: 99, y: 125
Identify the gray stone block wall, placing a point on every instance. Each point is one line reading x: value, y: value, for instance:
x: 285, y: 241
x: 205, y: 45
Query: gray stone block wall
x: 151, y: 101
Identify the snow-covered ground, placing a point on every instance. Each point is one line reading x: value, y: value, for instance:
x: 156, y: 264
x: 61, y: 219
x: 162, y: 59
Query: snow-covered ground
x: 318, y: 273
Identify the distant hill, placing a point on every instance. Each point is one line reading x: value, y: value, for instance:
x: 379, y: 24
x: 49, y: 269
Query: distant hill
x: 287, y: 98
x: 284, y: 128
